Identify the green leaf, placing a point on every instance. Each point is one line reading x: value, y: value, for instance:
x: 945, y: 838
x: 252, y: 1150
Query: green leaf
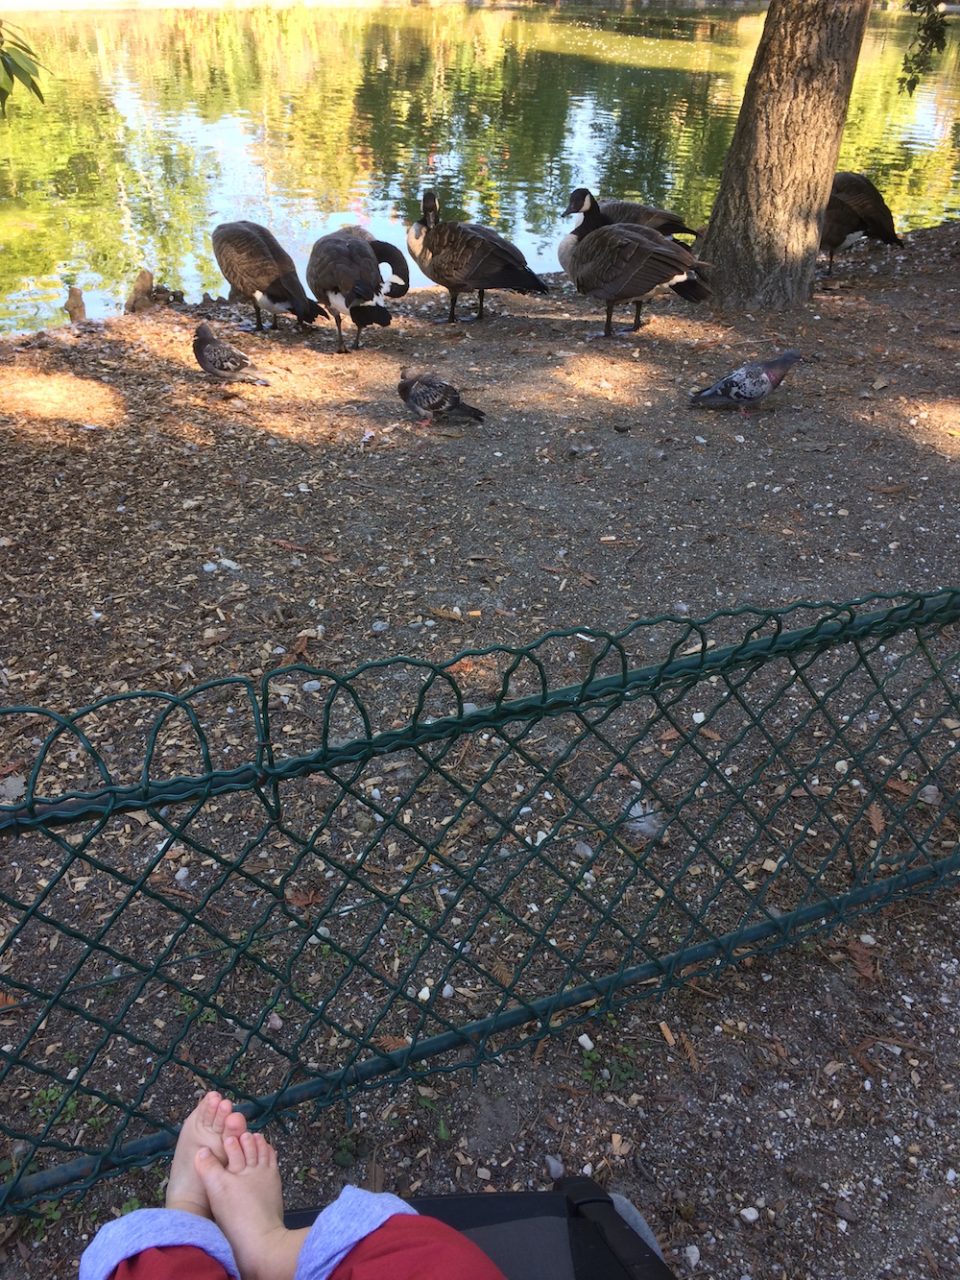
x: 6, y: 79
x: 25, y: 78
x: 18, y: 58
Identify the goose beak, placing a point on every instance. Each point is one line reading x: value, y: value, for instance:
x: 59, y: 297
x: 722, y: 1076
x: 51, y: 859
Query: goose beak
x: 569, y: 209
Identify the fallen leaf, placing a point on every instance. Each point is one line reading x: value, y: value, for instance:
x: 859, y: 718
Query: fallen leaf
x: 303, y: 897
x: 901, y: 788
x: 863, y: 960
x: 876, y: 819
x: 286, y: 545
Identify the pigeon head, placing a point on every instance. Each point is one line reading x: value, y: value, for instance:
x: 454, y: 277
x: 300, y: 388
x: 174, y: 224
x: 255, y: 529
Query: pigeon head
x: 204, y: 333
x: 580, y: 201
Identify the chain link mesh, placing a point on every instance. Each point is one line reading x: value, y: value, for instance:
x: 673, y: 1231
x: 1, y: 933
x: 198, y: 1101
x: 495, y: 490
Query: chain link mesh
x: 315, y: 884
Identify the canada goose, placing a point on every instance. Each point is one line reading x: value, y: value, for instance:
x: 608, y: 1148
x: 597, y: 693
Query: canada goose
x: 344, y: 270
x: 747, y: 385
x: 465, y: 257
x: 622, y: 261
x: 429, y: 396
x: 855, y: 208
x: 221, y: 361
x: 258, y: 269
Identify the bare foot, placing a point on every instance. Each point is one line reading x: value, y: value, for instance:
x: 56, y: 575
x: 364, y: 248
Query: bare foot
x: 211, y: 1120
x: 247, y: 1203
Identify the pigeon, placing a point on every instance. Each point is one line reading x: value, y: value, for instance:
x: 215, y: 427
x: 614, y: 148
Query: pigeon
x: 747, y: 385
x: 432, y: 398
x: 221, y: 361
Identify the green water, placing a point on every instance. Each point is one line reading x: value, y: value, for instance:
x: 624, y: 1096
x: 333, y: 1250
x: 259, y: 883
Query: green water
x: 161, y: 123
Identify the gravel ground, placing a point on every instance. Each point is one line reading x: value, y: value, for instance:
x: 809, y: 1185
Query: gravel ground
x: 793, y: 1117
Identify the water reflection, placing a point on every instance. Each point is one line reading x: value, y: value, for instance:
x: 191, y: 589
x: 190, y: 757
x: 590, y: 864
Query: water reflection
x: 162, y: 123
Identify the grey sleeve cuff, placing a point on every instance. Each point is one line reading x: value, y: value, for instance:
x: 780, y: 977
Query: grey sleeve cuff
x: 341, y: 1225
x: 152, y: 1229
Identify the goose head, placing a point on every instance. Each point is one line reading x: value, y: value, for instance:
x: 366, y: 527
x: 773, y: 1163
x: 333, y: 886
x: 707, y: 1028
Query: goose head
x: 580, y: 202
x: 431, y: 208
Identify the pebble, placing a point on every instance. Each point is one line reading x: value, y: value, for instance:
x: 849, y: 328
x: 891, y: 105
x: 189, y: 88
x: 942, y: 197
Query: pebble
x: 555, y: 1167
x: 750, y: 1214
x: 585, y: 1043
x: 692, y: 1255
x: 929, y: 794
x: 447, y: 991
x: 379, y: 627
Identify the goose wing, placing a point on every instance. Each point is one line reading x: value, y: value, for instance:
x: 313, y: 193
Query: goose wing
x: 345, y: 264
x: 864, y: 206
x: 624, y: 261
x: 662, y: 220
x: 470, y: 256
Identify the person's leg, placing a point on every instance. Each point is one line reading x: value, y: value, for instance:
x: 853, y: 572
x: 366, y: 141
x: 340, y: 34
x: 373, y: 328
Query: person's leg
x: 207, y: 1125
x: 247, y: 1203
x: 634, y: 1219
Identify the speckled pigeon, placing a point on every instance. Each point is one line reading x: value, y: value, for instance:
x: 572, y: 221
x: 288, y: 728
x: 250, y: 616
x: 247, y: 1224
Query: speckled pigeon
x: 747, y: 385
x: 430, y: 397
x: 221, y: 361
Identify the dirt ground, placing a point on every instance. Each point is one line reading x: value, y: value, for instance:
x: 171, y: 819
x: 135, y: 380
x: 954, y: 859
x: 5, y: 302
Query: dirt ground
x: 158, y: 530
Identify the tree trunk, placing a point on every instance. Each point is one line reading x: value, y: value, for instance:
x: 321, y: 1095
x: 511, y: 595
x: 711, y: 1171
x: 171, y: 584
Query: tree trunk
x: 764, y: 231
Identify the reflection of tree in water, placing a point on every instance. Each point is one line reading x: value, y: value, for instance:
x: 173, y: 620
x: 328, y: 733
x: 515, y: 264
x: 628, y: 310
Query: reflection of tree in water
x: 149, y: 124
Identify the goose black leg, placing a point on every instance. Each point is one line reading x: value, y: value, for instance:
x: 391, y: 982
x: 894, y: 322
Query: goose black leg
x: 340, y: 345
x: 256, y: 312
x: 830, y: 268
x: 608, y: 327
x: 480, y: 308
x: 275, y: 322
x: 636, y: 317
x: 356, y: 341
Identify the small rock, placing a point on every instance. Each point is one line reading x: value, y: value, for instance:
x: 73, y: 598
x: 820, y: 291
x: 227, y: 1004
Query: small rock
x: 274, y: 1022
x: 379, y: 627
x: 750, y: 1214
x: 692, y: 1256
x: 555, y: 1167
x: 423, y: 995
x: 868, y: 939
x: 447, y: 991
x: 845, y: 1210
x: 585, y: 1043
x: 312, y: 686
x: 930, y: 794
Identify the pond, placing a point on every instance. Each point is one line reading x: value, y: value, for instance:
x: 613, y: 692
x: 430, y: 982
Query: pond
x: 162, y: 122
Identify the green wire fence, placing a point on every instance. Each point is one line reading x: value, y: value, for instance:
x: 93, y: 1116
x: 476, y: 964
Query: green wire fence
x: 315, y: 884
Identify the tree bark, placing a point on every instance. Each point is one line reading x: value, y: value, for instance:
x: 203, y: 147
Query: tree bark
x: 764, y: 231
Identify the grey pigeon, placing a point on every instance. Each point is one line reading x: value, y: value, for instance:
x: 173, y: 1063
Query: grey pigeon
x: 430, y: 397
x: 221, y: 361
x: 747, y: 385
